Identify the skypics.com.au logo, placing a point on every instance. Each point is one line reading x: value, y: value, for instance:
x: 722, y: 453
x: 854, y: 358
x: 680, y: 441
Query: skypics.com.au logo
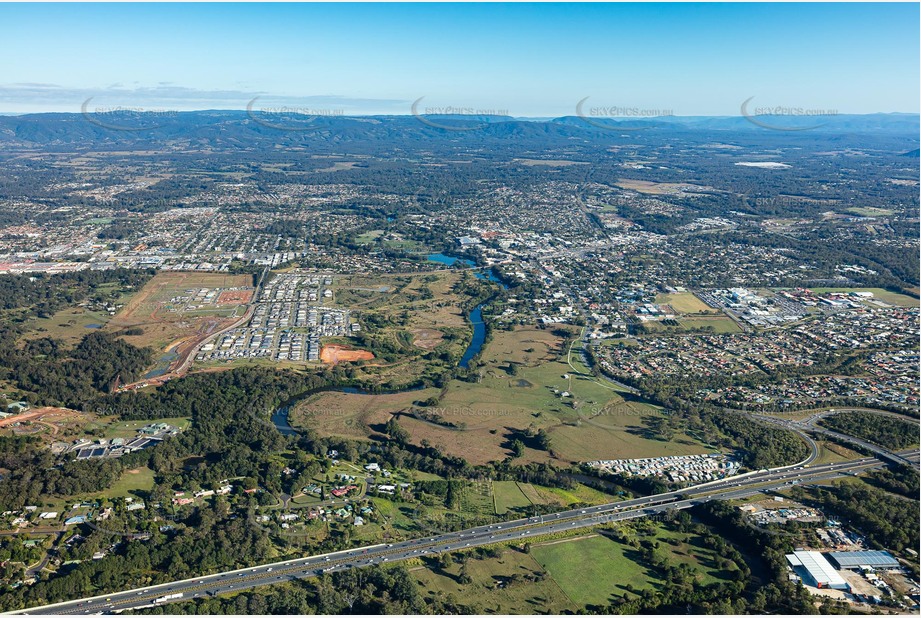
x: 612, y: 416
x: 783, y: 117
x: 289, y: 117
x: 614, y: 117
x: 454, y: 118
x: 126, y: 118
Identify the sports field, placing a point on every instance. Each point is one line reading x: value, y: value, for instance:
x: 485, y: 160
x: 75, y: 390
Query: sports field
x: 684, y: 302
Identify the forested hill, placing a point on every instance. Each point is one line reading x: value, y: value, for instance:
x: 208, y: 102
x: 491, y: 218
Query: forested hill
x: 243, y: 129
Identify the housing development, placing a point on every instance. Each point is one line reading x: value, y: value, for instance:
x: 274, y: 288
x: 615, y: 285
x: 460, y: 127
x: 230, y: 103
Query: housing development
x: 274, y: 358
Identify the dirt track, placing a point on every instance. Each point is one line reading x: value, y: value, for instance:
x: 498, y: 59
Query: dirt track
x: 38, y: 416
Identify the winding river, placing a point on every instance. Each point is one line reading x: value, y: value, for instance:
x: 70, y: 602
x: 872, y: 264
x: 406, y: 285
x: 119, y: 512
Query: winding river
x: 476, y: 315
x: 280, y: 416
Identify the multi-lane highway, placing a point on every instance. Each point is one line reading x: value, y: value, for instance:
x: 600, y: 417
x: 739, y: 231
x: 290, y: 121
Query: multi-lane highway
x: 519, y: 530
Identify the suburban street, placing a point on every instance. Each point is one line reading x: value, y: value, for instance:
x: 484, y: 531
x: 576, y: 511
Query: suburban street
x: 519, y: 530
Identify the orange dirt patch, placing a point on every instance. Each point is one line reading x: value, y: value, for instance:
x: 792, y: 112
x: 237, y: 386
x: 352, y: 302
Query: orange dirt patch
x: 234, y: 297
x: 427, y: 338
x: 334, y: 354
x: 50, y: 418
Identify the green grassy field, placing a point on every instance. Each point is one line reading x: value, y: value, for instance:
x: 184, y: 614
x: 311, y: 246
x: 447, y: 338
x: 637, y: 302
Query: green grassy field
x: 684, y: 302
x: 829, y: 452
x: 70, y: 324
x: 498, y: 586
x: 406, y: 245
x: 524, y: 377
x: 611, y: 566
x: 132, y: 482
x: 869, y: 211
x: 719, y: 323
x: 893, y: 298
x: 595, y: 559
x: 73, y: 323
x: 509, y: 496
x: 575, y: 495
x: 369, y: 237
x: 533, y: 396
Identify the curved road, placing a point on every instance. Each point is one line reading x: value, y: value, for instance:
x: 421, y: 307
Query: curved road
x: 808, y: 426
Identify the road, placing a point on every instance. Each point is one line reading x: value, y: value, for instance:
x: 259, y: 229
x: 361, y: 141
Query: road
x: 825, y: 412
x: 808, y: 426
x: 519, y: 530
x: 189, y: 356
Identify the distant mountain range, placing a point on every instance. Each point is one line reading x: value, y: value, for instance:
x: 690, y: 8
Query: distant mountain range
x: 243, y: 129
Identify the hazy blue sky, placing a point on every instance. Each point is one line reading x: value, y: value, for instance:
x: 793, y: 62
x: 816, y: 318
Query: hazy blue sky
x: 526, y: 60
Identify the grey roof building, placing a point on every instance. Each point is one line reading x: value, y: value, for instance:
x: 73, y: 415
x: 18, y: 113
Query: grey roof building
x: 863, y: 558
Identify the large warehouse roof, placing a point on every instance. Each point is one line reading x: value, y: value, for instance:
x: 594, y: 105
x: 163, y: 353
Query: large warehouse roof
x: 819, y: 569
x: 854, y: 559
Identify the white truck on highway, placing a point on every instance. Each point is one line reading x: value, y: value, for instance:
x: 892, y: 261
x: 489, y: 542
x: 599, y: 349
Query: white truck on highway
x: 168, y: 597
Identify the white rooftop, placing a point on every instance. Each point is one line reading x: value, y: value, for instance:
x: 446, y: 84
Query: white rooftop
x: 819, y: 568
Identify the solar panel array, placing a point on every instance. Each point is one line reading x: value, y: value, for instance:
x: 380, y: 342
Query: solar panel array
x: 873, y: 558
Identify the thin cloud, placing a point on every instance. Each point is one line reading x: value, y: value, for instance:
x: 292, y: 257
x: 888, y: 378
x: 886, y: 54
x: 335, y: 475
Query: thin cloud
x: 32, y: 95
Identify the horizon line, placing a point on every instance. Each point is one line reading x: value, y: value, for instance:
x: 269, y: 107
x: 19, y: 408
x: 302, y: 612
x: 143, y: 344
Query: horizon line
x: 410, y: 114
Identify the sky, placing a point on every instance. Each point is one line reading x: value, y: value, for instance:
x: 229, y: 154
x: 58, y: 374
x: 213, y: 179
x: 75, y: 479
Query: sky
x: 518, y: 59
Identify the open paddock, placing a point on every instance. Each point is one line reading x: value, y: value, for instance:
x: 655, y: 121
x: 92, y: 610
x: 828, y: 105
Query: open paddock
x: 613, y: 566
x: 585, y: 417
x: 489, y: 591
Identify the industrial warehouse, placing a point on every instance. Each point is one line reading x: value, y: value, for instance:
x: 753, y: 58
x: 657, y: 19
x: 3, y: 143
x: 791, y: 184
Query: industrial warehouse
x: 816, y: 571
x: 860, y: 576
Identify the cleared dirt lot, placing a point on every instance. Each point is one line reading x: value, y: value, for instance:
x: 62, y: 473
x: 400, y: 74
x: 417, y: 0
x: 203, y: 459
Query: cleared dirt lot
x: 171, y: 321
x: 334, y: 354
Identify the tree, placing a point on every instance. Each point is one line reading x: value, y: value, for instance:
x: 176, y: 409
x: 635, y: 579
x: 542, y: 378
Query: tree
x: 396, y: 431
